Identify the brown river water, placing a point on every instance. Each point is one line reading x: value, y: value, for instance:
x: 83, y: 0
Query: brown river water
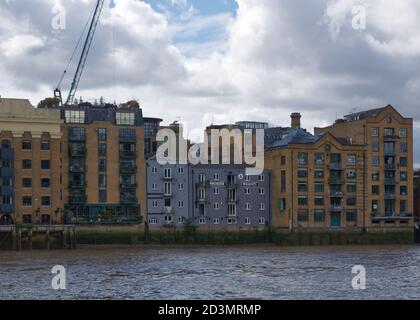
x: 256, y: 272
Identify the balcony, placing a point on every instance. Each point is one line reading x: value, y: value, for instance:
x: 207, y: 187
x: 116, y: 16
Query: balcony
x: 392, y: 216
x: 77, y: 152
x: 389, y: 181
x: 75, y: 199
x: 391, y: 137
x: 128, y: 199
x: 7, y: 172
x: 128, y: 138
x: 232, y: 185
x: 336, y: 194
x: 203, y: 184
x: 231, y: 199
x: 390, y: 166
x: 168, y: 210
x: 7, y: 208
x: 77, y: 184
x: 128, y: 169
x: 335, y: 166
x: 390, y: 195
x: 6, y: 154
x: 390, y: 153
x: 336, y: 207
x: 77, y: 168
x: 128, y: 185
x: 231, y: 214
x: 167, y: 177
x: 127, y: 154
x: 7, y: 191
x: 335, y: 180
x: 77, y: 137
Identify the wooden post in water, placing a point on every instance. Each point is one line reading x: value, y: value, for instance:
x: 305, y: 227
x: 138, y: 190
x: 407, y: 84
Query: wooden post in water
x: 14, y: 239
x: 47, y: 239
x: 19, y: 240
x: 30, y: 239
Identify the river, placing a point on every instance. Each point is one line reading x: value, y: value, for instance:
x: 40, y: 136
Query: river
x: 256, y: 272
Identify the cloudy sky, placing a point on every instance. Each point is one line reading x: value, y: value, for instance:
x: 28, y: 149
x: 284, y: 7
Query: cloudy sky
x: 218, y: 61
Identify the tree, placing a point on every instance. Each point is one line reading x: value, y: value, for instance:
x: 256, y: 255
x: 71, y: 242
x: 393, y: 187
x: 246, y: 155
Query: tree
x: 49, y: 102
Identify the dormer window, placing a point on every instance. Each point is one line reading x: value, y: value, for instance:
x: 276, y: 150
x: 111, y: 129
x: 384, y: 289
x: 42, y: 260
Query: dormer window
x: 125, y: 118
x: 75, y: 116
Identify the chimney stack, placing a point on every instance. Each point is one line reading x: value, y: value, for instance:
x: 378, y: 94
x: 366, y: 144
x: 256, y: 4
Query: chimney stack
x: 295, y: 120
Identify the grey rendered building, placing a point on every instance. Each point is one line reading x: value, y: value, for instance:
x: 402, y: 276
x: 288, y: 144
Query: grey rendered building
x: 209, y: 196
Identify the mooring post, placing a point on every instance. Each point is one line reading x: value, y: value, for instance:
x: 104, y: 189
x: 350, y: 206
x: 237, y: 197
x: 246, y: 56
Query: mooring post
x: 30, y: 239
x: 19, y: 240
x: 14, y: 236
x: 47, y: 239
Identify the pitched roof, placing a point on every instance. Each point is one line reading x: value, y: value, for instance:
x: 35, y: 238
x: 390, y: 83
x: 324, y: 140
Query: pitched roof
x: 364, y: 114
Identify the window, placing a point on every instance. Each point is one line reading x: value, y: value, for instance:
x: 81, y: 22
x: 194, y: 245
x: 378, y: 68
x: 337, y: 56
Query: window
x: 215, y: 176
x: 168, y: 219
x: 335, y: 158
x: 319, y: 216
x: 389, y: 132
x: 375, y: 176
x: 302, y: 158
x: 26, y: 145
x: 403, y: 147
x: 180, y: 170
x: 282, y: 204
x: 77, y: 134
x: 247, y: 178
x: 261, y: 178
x: 75, y: 116
x: 302, y: 173
x: 216, y: 221
x: 26, y: 164
x: 154, y: 186
x: 351, y: 201
x: 375, y: 147
x: 303, y: 216
x: 45, y: 183
x: 46, y: 201
x: 319, y: 174
x: 168, y: 173
x: 232, y: 221
x: 152, y: 221
x: 283, y: 160
x: 102, y: 196
x: 202, y: 221
x: 403, y: 132
x: 247, y: 206
x: 351, y: 174
x: 247, y: 191
x: 302, y: 200
x: 319, y: 201
x: 374, y: 132
x: 202, y: 178
x: 403, y: 190
x: 181, y: 204
x: 403, y: 206
x: 102, y: 134
x: 155, y: 203
x: 102, y: 149
x: 375, y: 160
x: 319, y: 159
x: 403, y: 176
x: 180, y: 186
x: 154, y: 170
x: 375, y: 205
x: 262, y: 206
x: 102, y: 165
x: 125, y: 118
x: 403, y: 161
x: 216, y: 190
x: 45, y: 164
x: 261, y: 191
x: 102, y: 181
x: 216, y: 206
x: 261, y: 220
x: 181, y: 219
x: 351, y: 187
x: 201, y: 194
x: 319, y: 187
x: 351, y: 159
x: 247, y: 220
x: 351, y: 216
x: 27, y: 183
x: 302, y: 187
x: 283, y: 181
x: 26, y: 201
x: 45, y: 145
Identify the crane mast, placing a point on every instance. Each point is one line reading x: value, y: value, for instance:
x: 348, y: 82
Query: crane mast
x: 83, y: 56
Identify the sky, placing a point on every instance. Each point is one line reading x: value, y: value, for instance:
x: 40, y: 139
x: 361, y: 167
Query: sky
x: 220, y: 61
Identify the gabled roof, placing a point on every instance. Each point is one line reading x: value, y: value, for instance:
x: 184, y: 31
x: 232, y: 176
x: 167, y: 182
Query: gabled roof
x: 365, y: 114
